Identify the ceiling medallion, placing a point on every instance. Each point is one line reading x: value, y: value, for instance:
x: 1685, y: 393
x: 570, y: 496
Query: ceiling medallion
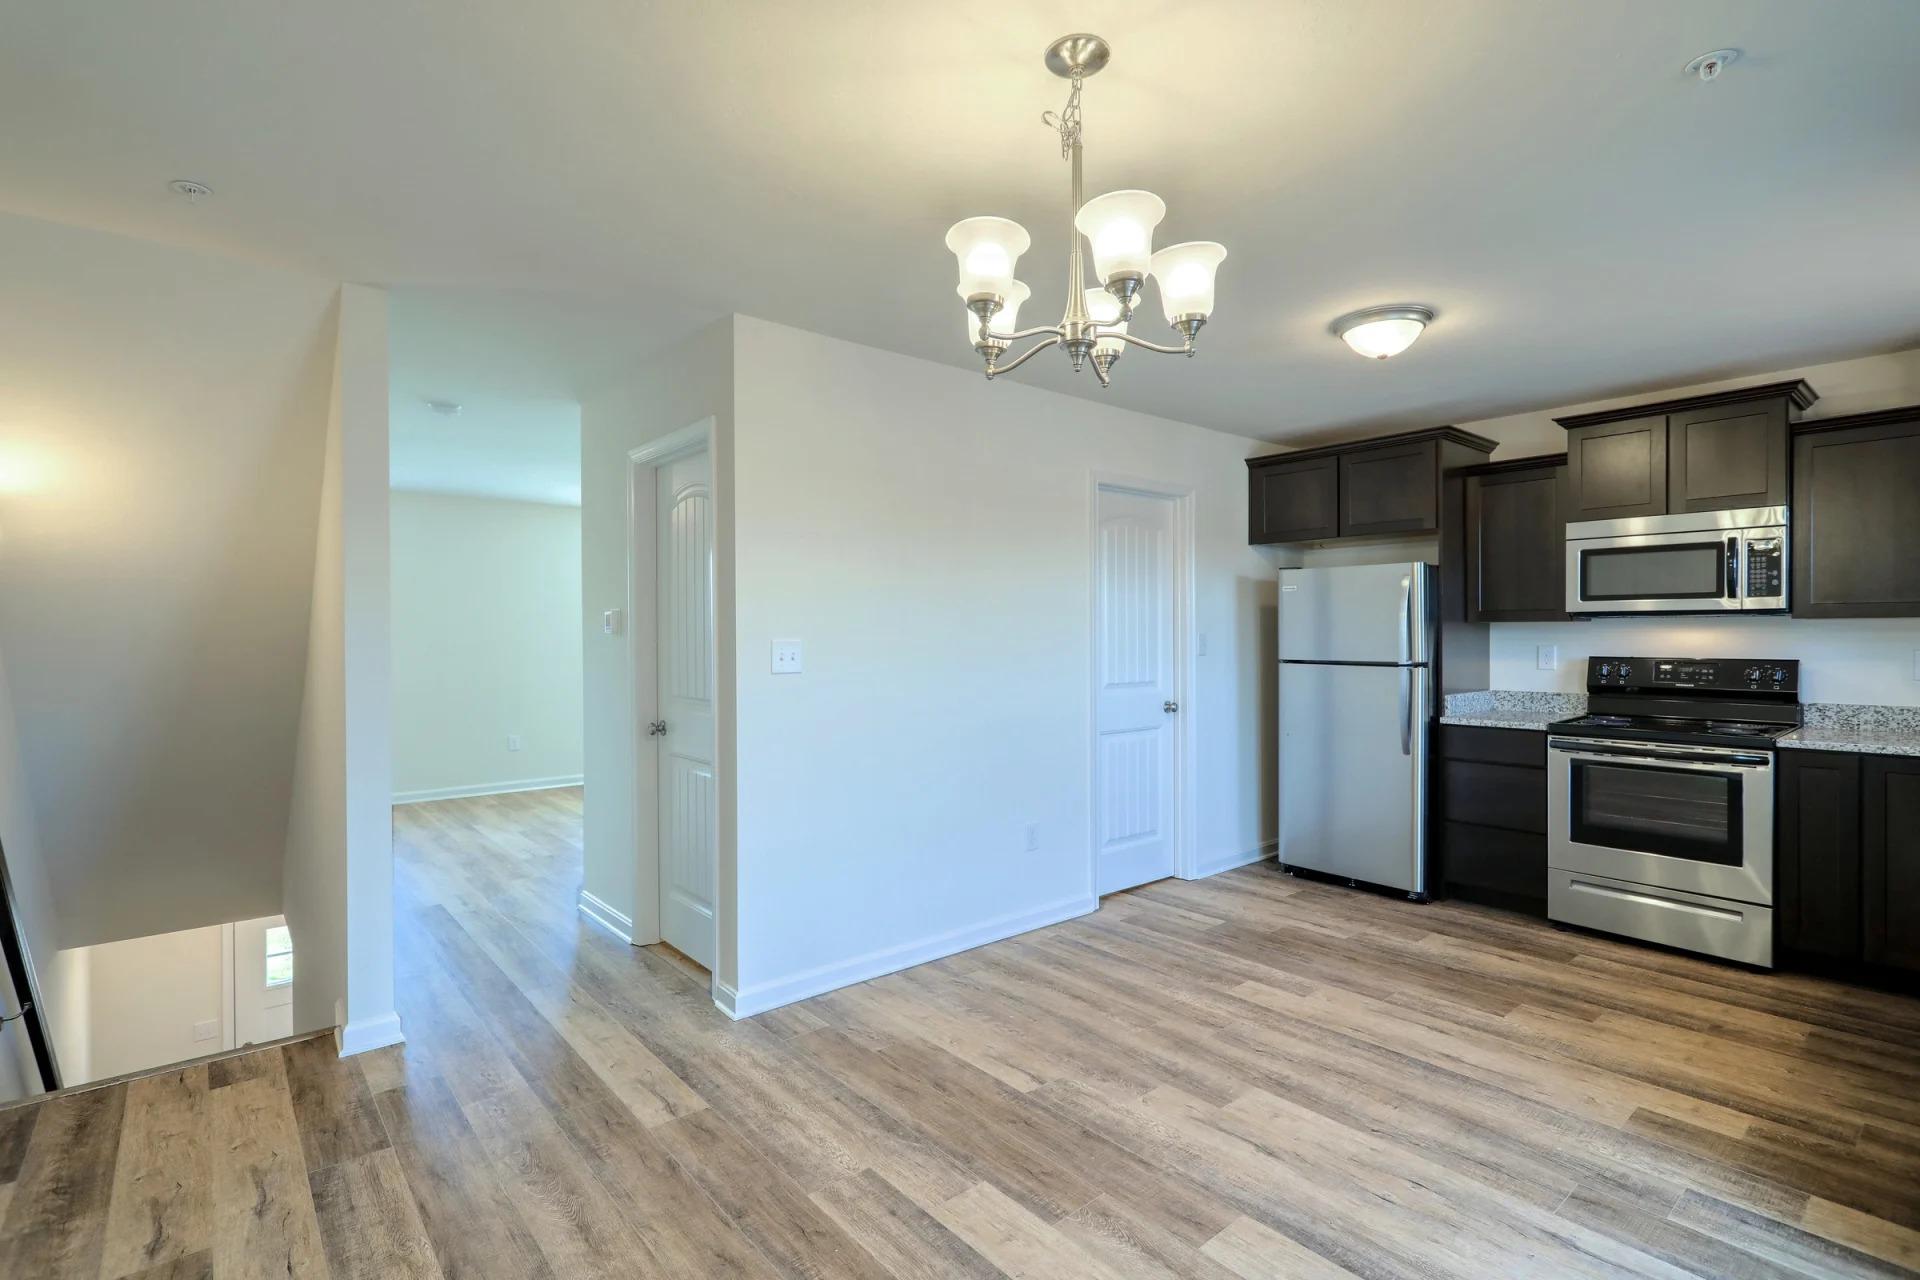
x: 1119, y: 229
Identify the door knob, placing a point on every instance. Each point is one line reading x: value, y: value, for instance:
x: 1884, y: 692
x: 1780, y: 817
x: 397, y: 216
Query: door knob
x: 1169, y: 707
x: 655, y: 728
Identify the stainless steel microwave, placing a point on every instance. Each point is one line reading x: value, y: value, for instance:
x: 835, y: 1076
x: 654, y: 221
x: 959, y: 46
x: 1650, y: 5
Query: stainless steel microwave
x: 1694, y: 562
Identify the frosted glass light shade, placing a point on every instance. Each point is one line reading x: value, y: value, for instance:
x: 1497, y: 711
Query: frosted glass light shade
x: 1185, y: 272
x: 1104, y: 309
x: 987, y: 250
x: 1119, y: 228
x: 1005, y: 320
x: 1383, y: 331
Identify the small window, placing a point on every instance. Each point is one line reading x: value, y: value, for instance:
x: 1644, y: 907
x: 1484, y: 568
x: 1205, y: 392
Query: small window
x: 279, y: 956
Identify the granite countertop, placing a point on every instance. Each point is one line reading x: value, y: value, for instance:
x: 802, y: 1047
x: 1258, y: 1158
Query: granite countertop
x: 1870, y: 730
x: 1510, y: 708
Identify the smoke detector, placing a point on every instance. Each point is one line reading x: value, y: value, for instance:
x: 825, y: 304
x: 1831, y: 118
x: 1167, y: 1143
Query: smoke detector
x: 445, y: 408
x: 1709, y: 65
x: 193, y: 191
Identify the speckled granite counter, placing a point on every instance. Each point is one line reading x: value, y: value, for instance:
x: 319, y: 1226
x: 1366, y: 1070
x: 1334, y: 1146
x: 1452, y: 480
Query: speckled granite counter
x: 1846, y: 726
x: 1510, y: 708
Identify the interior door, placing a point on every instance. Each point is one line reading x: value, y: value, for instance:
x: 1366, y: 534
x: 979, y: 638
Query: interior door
x: 262, y: 981
x: 684, y: 581
x: 1137, y: 708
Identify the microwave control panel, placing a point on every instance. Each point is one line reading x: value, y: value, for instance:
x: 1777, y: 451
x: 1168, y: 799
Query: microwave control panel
x: 1766, y: 567
x: 1722, y: 675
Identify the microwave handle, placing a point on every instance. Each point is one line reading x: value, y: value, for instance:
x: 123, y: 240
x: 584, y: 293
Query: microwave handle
x: 1733, y: 566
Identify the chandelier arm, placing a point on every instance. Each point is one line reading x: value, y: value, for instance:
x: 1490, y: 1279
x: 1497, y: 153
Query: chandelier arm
x: 1025, y: 356
x: 1186, y: 350
x: 1035, y: 332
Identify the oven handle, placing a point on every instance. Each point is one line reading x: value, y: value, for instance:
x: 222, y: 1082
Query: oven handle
x: 1678, y: 759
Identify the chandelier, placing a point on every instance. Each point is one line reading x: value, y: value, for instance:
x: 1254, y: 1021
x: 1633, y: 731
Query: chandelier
x: 1119, y: 229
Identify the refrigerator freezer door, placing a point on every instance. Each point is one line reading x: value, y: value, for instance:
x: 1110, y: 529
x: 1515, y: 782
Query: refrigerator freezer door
x: 1355, y: 613
x: 1353, y: 768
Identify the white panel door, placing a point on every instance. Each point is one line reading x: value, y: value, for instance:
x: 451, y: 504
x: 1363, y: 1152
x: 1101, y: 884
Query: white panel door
x: 262, y: 981
x: 687, y: 800
x: 1136, y: 698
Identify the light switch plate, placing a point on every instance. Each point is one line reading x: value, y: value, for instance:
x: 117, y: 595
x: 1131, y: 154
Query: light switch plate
x: 610, y: 622
x: 205, y: 1030
x: 786, y: 657
x: 1547, y: 657
x: 513, y: 742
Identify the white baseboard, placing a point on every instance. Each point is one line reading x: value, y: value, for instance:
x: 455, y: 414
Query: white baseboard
x: 1227, y: 862
x: 762, y: 996
x: 488, y: 789
x: 617, y: 923
x: 369, y: 1033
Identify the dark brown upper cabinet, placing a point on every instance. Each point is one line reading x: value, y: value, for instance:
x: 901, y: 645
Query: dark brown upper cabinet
x: 1294, y: 502
x: 1389, y: 490
x: 1728, y: 457
x: 1388, y: 485
x: 1516, y: 541
x: 1617, y: 469
x: 1856, y: 516
x: 1719, y: 452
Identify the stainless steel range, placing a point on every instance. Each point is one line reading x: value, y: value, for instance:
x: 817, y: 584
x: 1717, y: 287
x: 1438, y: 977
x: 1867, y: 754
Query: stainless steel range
x: 1660, y: 802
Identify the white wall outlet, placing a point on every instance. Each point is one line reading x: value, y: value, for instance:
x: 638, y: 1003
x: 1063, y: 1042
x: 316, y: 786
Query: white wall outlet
x: 1033, y: 836
x: 513, y: 742
x: 206, y: 1030
x: 1916, y: 664
x: 786, y: 657
x: 1547, y: 657
x: 610, y: 622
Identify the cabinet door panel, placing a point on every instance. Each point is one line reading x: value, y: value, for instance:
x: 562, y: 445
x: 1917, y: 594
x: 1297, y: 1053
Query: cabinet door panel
x: 1495, y: 795
x: 1516, y: 546
x: 1298, y: 502
x: 1727, y: 458
x: 1617, y: 470
x: 1817, y: 875
x: 1890, y: 821
x: 1392, y: 490
x: 1509, y: 864
x: 1856, y: 522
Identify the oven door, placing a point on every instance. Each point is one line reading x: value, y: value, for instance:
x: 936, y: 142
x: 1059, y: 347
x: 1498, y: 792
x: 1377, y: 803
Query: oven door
x: 1696, y: 572
x: 1697, y: 819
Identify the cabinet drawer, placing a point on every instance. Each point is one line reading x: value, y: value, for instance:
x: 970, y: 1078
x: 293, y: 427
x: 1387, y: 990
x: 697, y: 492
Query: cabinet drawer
x: 1511, y: 863
x: 1497, y: 746
x: 1494, y: 795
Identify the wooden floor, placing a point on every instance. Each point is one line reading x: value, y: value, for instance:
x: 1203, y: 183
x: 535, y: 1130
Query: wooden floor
x: 1246, y: 1076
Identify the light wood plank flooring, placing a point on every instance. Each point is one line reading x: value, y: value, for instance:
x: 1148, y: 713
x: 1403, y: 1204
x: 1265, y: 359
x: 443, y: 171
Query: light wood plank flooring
x: 1248, y: 1076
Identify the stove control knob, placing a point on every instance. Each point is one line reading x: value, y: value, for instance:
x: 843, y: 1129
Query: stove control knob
x: 1754, y: 673
x: 1779, y: 675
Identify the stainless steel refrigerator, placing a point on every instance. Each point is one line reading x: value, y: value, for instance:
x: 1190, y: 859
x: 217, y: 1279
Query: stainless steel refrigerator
x: 1356, y: 697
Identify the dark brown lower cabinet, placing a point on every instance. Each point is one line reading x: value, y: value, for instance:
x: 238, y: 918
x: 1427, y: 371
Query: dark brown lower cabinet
x: 1491, y: 828
x: 1847, y: 859
x: 1890, y: 863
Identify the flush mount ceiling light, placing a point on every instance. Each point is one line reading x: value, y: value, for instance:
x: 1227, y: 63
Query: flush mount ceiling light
x: 1119, y: 229
x: 1379, y: 332
x: 445, y: 408
x: 194, y: 192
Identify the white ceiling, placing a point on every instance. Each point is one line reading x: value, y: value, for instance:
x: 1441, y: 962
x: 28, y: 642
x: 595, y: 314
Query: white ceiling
x: 1586, y: 219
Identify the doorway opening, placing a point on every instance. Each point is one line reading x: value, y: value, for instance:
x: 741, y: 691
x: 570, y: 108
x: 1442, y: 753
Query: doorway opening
x: 1142, y: 631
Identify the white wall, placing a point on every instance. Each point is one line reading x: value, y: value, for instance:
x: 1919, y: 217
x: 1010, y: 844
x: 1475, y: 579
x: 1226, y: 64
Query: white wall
x: 162, y: 413
x: 339, y: 842
x: 145, y: 996
x: 1843, y: 660
x: 486, y: 643
x: 676, y: 389
x: 927, y: 535
x: 60, y: 974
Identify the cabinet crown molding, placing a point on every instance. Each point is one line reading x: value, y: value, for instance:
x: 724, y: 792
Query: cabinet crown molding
x: 1868, y: 418
x: 1454, y: 434
x: 1798, y: 393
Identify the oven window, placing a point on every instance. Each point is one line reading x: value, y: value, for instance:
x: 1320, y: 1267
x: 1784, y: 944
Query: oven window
x: 1688, y: 571
x: 1647, y: 809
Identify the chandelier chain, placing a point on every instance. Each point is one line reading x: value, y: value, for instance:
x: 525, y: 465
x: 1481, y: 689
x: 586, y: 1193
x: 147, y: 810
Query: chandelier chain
x: 1067, y: 122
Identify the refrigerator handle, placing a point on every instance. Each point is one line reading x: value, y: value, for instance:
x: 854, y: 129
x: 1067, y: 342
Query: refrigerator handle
x: 1406, y: 711
x: 1406, y: 619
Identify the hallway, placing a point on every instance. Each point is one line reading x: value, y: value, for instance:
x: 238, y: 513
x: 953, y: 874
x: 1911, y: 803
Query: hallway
x: 1249, y: 1076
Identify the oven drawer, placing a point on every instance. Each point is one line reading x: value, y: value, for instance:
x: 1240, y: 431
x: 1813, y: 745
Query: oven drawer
x: 1736, y: 931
